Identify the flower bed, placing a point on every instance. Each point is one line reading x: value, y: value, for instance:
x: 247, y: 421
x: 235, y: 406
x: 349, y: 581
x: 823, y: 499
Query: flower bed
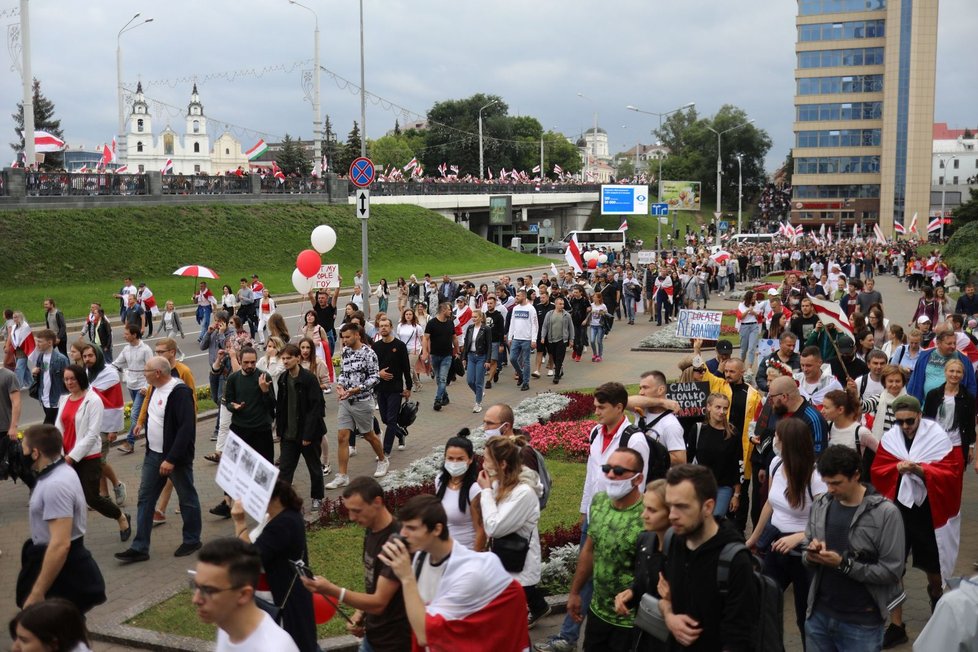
x: 580, y: 406
x: 566, y: 439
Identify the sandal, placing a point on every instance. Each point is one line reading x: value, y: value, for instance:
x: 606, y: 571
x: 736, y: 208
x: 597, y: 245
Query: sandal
x: 213, y: 457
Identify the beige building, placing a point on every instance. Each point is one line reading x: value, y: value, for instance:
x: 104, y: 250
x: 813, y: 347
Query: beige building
x: 864, y: 112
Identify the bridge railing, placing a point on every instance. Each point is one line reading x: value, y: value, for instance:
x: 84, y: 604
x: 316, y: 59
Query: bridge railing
x: 293, y: 185
x: 179, y: 184
x: 396, y: 188
x: 54, y: 184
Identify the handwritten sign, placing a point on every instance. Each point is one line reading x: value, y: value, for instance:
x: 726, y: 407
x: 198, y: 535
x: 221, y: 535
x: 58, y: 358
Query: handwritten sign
x: 704, y: 324
x: 691, y: 398
x: 328, y: 277
x: 767, y: 347
x: 646, y: 257
x: 244, y: 474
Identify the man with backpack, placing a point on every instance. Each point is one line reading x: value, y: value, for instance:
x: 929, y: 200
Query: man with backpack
x: 713, y: 594
x: 658, y: 423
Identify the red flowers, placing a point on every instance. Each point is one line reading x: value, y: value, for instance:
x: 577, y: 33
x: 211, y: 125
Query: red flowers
x: 580, y: 406
x: 566, y: 439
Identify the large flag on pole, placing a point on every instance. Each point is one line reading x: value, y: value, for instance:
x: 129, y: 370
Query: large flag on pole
x: 899, y: 228
x: 260, y: 148
x: 573, y: 255
x: 934, y: 225
x: 913, y: 225
x: 830, y: 312
x: 167, y: 167
x: 624, y: 225
x: 413, y: 163
x: 878, y: 232
x: 47, y: 142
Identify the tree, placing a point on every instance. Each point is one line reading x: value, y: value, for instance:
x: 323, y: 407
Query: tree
x: 397, y: 128
x: 452, y: 134
x: 625, y: 168
x: 693, y: 151
x: 394, y: 150
x: 330, y: 147
x: 43, y: 121
x: 966, y: 212
x: 292, y: 158
x: 349, y: 151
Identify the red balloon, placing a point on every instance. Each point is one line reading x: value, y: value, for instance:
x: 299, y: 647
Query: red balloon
x: 324, y: 609
x: 592, y: 264
x: 308, y: 263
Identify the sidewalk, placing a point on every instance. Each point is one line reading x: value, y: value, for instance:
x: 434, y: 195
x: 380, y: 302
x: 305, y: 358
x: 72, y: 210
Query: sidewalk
x: 130, y: 586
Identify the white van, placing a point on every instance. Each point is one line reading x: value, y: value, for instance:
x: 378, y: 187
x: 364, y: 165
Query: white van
x: 752, y: 238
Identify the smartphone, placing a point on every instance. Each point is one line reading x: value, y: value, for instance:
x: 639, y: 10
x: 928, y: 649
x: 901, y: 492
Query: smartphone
x: 815, y: 550
x: 302, y: 569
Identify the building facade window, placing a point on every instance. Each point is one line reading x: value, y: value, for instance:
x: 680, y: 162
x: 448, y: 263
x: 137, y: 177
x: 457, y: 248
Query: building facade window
x: 196, y: 148
x: 837, y: 165
x: 840, y: 111
x: 841, y: 31
x: 196, y: 169
x: 839, y: 138
x: 142, y: 169
x: 865, y: 191
x: 817, y: 7
x: 139, y: 125
x: 139, y: 146
x: 836, y: 58
x: 196, y: 126
x: 831, y: 85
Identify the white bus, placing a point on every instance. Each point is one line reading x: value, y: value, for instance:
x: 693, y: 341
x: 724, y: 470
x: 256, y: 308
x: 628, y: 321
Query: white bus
x: 597, y: 238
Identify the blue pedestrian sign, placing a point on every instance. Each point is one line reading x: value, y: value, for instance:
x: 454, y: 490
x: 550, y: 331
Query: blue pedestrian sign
x: 534, y: 228
x: 660, y: 210
x: 624, y: 200
x: 362, y: 172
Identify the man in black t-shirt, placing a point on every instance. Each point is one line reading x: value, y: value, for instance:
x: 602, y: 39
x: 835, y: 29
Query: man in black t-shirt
x: 380, y: 616
x: 496, y: 321
x: 440, y: 345
x: 324, y: 305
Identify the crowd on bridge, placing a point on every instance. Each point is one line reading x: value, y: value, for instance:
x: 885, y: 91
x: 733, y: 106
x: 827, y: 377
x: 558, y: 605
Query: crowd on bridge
x: 838, y: 455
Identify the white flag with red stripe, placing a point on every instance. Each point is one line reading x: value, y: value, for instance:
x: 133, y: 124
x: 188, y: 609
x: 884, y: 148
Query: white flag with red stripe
x: 934, y: 225
x: 462, y: 318
x: 149, y: 302
x: 413, y: 163
x: 109, y: 388
x: 913, y: 225
x: 721, y: 256
x: 623, y: 226
x: 899, y: 228
x: 830, y: 312
x: 573, y: 255
x: 167, y: 167
x: 122, y: 169
x: 878, y: 232
x: 663, y: 284
x: 47, y: 142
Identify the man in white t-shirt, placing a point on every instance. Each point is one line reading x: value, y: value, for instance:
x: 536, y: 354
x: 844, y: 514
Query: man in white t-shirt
x: 223, y: 591
x: 871, y: 385
x: 657, y: 422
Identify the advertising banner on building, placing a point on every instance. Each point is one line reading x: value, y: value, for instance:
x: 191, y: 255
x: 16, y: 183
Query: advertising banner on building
x: 681, y: 195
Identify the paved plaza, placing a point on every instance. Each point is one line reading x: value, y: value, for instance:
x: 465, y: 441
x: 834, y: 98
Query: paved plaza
x: 135, y: 585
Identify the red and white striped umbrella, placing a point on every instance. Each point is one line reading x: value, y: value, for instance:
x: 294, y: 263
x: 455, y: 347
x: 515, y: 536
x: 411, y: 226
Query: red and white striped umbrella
x: 197, y: 271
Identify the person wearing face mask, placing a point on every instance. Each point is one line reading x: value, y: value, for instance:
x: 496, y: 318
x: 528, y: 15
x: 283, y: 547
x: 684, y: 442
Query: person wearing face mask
x: 608, y: 556
x: 458, y: 491
x: 510, y: 512
x: 780, y: 528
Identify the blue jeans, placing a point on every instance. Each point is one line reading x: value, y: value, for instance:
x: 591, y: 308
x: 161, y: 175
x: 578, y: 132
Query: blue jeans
x: 724, y: 494
x: 569, y: 630
x: 23, y: 371
x: 475, y: 374
x: 597, y: 340
x: 151, y: 486
x: 217, y: 393
x: 826, y: 634
x: 519, y: 355
x: 365, y: 645
x: 440, y: 364
x: 749, y: 334
x: 137, y: 404
x: 629, y: 306
x: 204, y: 318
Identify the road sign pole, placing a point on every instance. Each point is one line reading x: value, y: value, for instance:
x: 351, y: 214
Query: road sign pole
x: 362, y: 175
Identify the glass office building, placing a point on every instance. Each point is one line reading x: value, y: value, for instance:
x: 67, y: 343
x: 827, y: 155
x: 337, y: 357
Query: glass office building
x: 864, y: 109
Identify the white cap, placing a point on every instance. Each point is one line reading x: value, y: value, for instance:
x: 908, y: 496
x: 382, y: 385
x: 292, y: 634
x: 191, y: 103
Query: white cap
x: 772, y: 292
x: 922, y: 319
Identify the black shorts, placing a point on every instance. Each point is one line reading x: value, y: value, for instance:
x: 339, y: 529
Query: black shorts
x: 918, y: 530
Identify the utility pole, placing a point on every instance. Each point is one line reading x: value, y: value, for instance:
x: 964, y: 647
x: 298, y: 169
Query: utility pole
x: 28, y: 79
x: 364, y: 257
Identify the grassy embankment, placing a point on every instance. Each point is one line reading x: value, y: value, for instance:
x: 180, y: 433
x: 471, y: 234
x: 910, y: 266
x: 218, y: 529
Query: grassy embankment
x: 81, y: 255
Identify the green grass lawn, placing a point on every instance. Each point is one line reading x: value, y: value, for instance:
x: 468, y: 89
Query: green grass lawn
x: 87, y: 253
x: 337, y: 553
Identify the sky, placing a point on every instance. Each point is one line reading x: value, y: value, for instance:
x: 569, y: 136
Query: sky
x: 654, y: 54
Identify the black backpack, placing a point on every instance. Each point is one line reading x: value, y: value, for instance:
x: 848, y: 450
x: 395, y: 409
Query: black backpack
x: 767, y: 634
x: 659, y: 460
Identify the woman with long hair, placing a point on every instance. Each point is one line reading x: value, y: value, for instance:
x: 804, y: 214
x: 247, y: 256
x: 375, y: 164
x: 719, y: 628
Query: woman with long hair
x: 411, y: 333
x: 940, y: 299
x: 270, y: 362
x: 277, y: 328
x: 749, y: 314
x: 926, y: 307
x: 794, y: 484
x: 266, y: 308
x: 281, y: 542
x: 595, y: 323
x: 719, y: 450
x: 510, y: 502
x: 413, y: 291
x: 402, y: 294
x: 954, y: 408
x: 170, y: 324
x: 421, y: 313
x: 895, y: 338
x: 228, y: 300
x: 53, y: 625
x: 481, y: 296
x: 877, y: 323
x: 312, y: 331
x: 458, y: 491
x: 312, y: 362
x: 383, y: 293
x: 878, y: 410
x: 21, y: 342
x: 476, y: 348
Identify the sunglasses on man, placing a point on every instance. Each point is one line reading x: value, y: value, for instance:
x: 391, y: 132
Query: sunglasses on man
x: 617, y: 470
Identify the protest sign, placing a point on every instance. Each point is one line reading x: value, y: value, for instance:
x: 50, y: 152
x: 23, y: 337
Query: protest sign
x: 767, y: 347
x: 244, y: 474
x: 646, y: 257
x: 702, y: 324
x: 691, y: 398
x: 327, y: 278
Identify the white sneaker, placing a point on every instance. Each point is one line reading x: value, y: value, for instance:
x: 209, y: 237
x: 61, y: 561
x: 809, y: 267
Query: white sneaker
x: 382, y: 467
x: 315, y: 506
x: 401, y: 447
x: 477, y: 408
x: 550, y: 372
x: 353, y: 451
x: 327, y: 469
x: 339, y: 481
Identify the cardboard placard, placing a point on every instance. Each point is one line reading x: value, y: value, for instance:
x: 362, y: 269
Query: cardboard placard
x: 703, y: 324
x: 327, y: 278
x: 691, y: 398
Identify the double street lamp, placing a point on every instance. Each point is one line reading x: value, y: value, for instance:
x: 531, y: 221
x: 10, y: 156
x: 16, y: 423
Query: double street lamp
x: 128, y: 27
x: 943, y: 171
x: 317, y: 118
x: 719, y: 211
x: 659, y: 156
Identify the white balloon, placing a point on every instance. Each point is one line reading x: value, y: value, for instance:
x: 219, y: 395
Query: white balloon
x: 590, y: 255
x: 301, y: 284
x: 603, y: 258
x: 323, y: 238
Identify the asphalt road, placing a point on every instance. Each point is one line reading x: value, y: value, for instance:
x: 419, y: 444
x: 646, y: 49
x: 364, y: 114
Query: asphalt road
x: 196, y: 359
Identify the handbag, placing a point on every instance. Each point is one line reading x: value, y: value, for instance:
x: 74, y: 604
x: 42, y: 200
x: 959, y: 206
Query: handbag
x: 649, y: 618
x: 34, y: 391
x: 512, y: 550
x: 273, y: 610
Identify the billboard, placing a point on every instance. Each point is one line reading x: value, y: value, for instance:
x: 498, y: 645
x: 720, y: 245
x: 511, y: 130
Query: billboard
x: 624, y: 200
x: 501, y: 210
x: 681, y: 195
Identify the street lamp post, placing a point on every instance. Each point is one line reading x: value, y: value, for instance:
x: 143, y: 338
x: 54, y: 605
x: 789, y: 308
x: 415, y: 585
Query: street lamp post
x: 28, y: 81
x: 689, y: 105
x: 944, y: 161
x: 118, y: 71
x: 740, y: 191
x: 482, y: 167
x: 317, y: 118
x: 719, y: 211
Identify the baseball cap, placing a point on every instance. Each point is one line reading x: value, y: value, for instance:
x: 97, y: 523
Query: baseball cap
x: 724, y: 347
x: 845, y: 344
x: 772, y: 292
x: 922, y: 319
x: 906, y: 402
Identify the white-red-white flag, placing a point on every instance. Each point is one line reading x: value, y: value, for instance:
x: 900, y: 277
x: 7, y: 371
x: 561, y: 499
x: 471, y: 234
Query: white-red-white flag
x: 558, y: 170
x: 913, y: 225
x: 411, y: 164
x: 122, y: 169
x: 934, y: 225
x: 830, y: 312
x: 462, y: 318
x: 167, y: 167
x: 624, y: 225
x: 899, y: 228
x: 878, y: 232
x: 47, y: 142
x: 721, y: 256
x: 573, y: 255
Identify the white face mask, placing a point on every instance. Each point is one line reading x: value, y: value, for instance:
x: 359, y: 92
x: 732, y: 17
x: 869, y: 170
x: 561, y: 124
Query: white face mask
x: 616, y: 489
x: 493, y: 432
x: 456, y: 469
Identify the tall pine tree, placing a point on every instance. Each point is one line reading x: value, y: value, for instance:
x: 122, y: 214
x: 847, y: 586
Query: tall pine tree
x: 350, y: 151
x: 292, y: 158
x: 43, y: 121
